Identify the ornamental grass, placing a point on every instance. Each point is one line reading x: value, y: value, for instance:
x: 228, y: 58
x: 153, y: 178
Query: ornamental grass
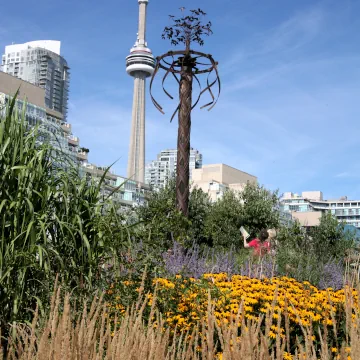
x: 142, y: 331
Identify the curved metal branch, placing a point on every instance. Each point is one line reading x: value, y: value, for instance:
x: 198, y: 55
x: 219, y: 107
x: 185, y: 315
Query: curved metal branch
x: 218, y: 81
x: 175, y: 112
x: 199, y: 96
x: 156, y: 104
x: 209, y: 86
x: 164, y: 78
x: 175, y: 67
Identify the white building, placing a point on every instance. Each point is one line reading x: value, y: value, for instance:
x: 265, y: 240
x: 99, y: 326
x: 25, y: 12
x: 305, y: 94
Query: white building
x: 308, y: 206
x: 40, y: 63
x: 158, y: 172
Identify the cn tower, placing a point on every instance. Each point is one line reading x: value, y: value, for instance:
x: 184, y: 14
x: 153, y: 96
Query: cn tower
x: 140, y: 64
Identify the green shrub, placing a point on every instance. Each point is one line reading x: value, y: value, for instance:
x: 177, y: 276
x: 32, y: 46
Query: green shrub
x: 51, y: 222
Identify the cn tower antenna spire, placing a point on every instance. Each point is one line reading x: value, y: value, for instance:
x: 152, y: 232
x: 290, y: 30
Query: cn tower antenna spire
x: 140, y: 64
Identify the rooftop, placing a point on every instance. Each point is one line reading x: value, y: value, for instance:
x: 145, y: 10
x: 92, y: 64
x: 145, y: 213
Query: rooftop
x: 51, y: 45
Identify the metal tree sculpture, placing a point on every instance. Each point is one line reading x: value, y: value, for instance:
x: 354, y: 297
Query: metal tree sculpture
x: 186, y: 64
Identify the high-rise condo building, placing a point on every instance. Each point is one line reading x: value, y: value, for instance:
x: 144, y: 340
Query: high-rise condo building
x: 140, y: 64
x: 158, y: 172
x: 40, y: 63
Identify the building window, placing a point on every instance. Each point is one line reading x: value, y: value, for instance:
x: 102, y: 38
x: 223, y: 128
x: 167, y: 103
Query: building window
x: 294, y: 207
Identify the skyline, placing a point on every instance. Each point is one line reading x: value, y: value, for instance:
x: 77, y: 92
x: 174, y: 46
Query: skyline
x: 296, y: 85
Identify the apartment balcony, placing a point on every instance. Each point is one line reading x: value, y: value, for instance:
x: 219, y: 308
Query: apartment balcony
x: 44, y: 78
x: 99, y: 172
x: 73, y: 140
x: 109, y: 186
x: 66, y: 127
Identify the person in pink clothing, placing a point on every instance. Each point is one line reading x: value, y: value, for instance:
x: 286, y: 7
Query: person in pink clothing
x: 260, y: 245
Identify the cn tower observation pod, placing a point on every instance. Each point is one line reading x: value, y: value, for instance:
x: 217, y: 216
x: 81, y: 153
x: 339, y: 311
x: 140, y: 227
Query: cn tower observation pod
x: 140, y: 60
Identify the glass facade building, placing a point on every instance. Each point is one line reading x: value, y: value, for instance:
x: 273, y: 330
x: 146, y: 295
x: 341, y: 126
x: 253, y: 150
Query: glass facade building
x: 40, y: 63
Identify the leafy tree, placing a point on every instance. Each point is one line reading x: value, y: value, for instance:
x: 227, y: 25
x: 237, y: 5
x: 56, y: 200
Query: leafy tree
x: 329, y: 238
x: 224, y: 220
x: 254, y: 208
x: 259, y: 208
x: 162, y: 221
x: 213, y: 224
x: 199, y: 209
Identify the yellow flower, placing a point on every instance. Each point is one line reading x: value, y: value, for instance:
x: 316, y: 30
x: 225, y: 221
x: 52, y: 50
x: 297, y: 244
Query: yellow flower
x: 272, y: 335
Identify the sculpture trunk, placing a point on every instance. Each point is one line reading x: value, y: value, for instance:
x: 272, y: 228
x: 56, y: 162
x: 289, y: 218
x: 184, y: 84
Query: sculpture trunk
x: 183, y: 145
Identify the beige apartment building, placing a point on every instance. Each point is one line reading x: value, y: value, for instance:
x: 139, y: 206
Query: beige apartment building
x: 308, y: 218
x: 216, y: 178
x: 27, y: 91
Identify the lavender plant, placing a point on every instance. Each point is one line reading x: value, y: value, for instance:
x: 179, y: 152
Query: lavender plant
x: 332, y: 275
x: 195, y: 262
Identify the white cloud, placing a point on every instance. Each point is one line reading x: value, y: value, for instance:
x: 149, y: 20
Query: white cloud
x: 344, y: 174
x: 288, y: 36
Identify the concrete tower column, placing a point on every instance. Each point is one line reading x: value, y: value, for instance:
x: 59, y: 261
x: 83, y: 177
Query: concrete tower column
x: 142, y: 20
x: 140, y: 64
x: 136, y: 160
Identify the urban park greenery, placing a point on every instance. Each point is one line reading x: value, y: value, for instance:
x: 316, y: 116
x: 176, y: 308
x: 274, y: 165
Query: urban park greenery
x: 56, y: 224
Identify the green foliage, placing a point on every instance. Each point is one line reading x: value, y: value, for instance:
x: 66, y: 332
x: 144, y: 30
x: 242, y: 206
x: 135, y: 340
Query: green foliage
x: 258, y: 210
x: 162, y: 222
x: 329, y: 238
x: 224, y: 220
x: 199, y: 210
x: 51, y: 221
x: 304, y: 254
x: 294, y: 254
x: 213, y: 224
x: 253, y: 208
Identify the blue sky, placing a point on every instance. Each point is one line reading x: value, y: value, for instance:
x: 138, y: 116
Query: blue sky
x: 289, y: 109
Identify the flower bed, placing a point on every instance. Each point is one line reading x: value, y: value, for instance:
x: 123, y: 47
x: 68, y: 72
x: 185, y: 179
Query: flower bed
x: 291, y: 306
